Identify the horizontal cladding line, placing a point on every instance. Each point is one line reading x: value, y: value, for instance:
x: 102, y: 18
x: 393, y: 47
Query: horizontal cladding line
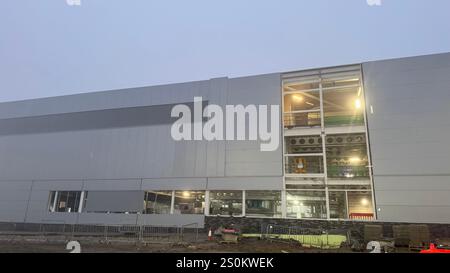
x: 325, y: 70
x: 378, y: 84
x: 124, y: 179
x: 410, y: 175
x: 414, y: 206
x: 91, y: 120
x: 90, y: 111
x: 418, y: 190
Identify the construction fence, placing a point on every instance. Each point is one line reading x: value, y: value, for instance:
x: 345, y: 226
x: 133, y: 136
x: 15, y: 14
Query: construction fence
x: 103, y: 233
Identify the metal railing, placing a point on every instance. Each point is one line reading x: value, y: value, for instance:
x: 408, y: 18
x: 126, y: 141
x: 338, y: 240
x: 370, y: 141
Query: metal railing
x: 151, y: 234
x: 189, y: 232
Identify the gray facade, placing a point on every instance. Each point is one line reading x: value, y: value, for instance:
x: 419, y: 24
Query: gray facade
x: 119, y: 141
x: 82, y: 142
x: 409, y: 129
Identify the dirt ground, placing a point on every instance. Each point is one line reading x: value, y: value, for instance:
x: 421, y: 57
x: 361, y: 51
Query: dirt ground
x: 27, y: 245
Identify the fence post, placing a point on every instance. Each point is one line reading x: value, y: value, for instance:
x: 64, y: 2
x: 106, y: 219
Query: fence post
x: 328, y: 244
x: 73, y: 232
x: 106, y: 233
x: 41, y: 230
x: 196, y: 232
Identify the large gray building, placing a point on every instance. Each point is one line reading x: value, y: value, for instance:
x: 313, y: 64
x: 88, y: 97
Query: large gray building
x: 358, y: 142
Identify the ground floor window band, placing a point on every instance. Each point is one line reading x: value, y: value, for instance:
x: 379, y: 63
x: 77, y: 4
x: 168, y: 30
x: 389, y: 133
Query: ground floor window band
x: 300, y: 203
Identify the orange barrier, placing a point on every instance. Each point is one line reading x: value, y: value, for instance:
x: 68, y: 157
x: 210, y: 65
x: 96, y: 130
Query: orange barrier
x: 434, y: 250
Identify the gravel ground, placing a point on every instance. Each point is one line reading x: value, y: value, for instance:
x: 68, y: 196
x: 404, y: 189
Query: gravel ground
x: 30, y: 244
x: 37, y: 245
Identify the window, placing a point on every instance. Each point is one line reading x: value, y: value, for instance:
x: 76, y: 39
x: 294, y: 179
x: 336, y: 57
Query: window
x: 304, y: 155
x: 320, y: 186
x: 338, y: 205
x: 66, y: 201
x: 226, y: 203
x: 303, y: 145
x: 306, y: 204
x: 292, y: 120
x: 302, y: 165
x: 305, y: 181
x: 157, y: 202
x: 347, y: 156
x: 343, y: 102
x: 301, y: 103
x: 263, y: 203
x: 360, y: 205
x: 344, y: 80
x: 301, y: 83
x: 189, y: 202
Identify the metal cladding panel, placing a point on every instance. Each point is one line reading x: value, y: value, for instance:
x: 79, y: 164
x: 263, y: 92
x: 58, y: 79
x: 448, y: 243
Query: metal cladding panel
x: 245, y: 158
x: 134, y: 141
x: 407, y: 102
x: 109, y: 141
x: 246, y: 183
x: 115, y: 201
x: 174, y: 184
x: 215, y: 164
x: 112, y: 185
x: 113, y: 99
x: 89, y: 120
x: 14, y: 200
x: 107, y: 219
x: 188, y: 220
x: 38, y: 205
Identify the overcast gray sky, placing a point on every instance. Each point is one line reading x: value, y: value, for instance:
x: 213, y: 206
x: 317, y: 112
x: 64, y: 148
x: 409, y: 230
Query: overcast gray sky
x: 49, y: 48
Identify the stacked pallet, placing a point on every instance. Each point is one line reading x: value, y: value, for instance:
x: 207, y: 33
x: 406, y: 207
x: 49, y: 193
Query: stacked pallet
x: 373, y: 233
x: 419, y: 236
x: 401, y: 235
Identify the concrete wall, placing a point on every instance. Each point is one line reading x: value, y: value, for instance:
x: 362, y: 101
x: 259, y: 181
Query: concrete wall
x: 409, y: 133
x: 109, y: 141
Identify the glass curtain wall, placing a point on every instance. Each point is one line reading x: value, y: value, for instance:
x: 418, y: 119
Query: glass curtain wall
x: 189, y: 202
x: 225, y: 203
x: 263, y: 203
x: 157, y: 202
x: 347, y: 157
x: 65, y: 201
x: 325, y: 145
x: 301, y: 103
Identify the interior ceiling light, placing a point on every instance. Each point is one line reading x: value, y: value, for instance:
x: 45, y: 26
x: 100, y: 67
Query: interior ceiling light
x: 358, y: 104
x: 297, y: 98
x: 364, y: 202
x: 354, y: 159
x: 186, y: 194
